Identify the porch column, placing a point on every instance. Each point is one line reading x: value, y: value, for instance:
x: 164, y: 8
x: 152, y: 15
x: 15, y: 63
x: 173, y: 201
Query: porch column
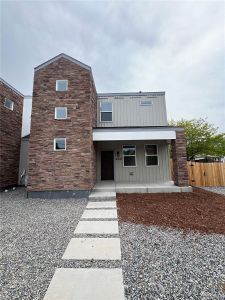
x: 179, y: 159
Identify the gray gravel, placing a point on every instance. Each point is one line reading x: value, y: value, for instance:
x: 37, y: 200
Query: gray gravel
x: 34, y: 236
x: 215, y: 189
x: 168, y: 264
x: 157, y: 263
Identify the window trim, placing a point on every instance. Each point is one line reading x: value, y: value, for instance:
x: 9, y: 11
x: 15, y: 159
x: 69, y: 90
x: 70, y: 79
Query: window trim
x: 151, y: 155
x: 55, y: 144
x: 12, y: 102
x: 105, y: 111
x: 130, y: 155
x: 56, y: 113
x: 56, y: 86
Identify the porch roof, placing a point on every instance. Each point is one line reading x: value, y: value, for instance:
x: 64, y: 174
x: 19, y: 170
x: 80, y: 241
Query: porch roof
x: 135, y: 133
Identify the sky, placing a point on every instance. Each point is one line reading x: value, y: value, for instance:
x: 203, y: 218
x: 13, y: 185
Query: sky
x: 172, y: 46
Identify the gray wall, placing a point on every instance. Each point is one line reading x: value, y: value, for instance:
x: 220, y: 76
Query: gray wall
x: 141, y: 173
x: 23, y: 161
x: 127, y: 110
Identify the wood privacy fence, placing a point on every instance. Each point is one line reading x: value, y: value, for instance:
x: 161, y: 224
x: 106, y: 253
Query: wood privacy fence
x: 205, y: 174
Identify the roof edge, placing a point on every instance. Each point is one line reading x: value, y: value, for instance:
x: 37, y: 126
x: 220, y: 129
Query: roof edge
x: 165, y: 127
x: 62, y: 55
x: 131, y: 94
x: 11, y: 87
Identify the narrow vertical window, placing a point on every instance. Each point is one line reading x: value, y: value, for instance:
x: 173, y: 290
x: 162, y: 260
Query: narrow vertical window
x: 61, y: 85
x: 106, y: 112
x: 59, y: 144
x: 129, y: 156
x: 151, y: 155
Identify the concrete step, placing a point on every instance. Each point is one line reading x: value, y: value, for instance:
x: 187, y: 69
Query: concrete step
x: 102, y: 196
x: 104, y: 189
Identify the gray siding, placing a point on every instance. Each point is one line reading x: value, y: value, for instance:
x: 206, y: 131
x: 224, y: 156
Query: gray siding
x: 127, y: 111
x: 24, y: 148
x: 140, y: 173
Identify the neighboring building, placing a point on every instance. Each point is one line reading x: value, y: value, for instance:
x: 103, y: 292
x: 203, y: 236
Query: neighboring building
x: 79, y: 137
x: 209, y: 159
x: 11, y: 109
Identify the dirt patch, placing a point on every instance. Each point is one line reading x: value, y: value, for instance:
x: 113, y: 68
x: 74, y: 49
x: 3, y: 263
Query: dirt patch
x: 200, y: 210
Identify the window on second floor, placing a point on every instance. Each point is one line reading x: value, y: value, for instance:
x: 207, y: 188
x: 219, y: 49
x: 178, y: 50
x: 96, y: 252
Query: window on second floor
x: 59, y: 144
x: 60, y: 113
x: 61, y: 85
x: 106, y: 112
x: 9, y: 104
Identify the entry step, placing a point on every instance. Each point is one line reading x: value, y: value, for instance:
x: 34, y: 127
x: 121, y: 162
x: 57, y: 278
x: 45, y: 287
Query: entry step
x: 101, y: 196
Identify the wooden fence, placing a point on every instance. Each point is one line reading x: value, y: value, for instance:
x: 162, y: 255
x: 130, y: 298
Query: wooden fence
x: 205, y: 174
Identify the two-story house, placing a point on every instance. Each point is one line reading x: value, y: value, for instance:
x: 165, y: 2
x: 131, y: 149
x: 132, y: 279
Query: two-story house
x: 79, y: 138
x: 11, y: 110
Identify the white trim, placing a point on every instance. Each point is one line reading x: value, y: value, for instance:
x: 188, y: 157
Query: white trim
x: 157, y: 154
x: 56, y: 113
x: 105, y: 111
x: 130, y: 155
x: 12, y: 104
x: 59, y: 139
x: 132, y: 134
x: 56, y: 85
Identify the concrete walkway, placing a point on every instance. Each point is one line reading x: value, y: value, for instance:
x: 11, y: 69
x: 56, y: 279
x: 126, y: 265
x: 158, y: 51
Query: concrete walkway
x: 100, y: 221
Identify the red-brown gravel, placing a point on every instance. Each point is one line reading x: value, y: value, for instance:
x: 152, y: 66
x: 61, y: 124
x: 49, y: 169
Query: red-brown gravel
x: 200, y: 210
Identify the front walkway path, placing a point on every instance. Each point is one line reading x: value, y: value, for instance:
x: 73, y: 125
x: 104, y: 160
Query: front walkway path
x: 96, y: 239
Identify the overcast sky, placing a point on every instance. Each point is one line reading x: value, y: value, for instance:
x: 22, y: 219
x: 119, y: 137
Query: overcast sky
x: 176, y: 47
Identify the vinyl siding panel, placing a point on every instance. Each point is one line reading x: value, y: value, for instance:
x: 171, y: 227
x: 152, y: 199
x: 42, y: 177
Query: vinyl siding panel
x: 127, y: 111
x: 140, y: 173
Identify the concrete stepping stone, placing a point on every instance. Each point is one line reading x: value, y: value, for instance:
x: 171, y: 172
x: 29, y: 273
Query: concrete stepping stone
x: 102, y: 204
x: 101, y: 196
x: 93, y: 248
x: 99, y: 214
x: 97, y: 227
x: 86, y: 284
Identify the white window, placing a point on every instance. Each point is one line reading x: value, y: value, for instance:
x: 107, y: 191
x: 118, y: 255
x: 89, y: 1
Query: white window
x: 9, y: 104
x: 61, y: 113
x: 146, y: 103
x: 129, y: 156
x: 59, y: 144
x: 151, y: 155
x: 106, y: 112
x: 61, y: 85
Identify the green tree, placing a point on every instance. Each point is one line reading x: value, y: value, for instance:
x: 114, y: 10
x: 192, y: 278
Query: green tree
x: 202, y: 138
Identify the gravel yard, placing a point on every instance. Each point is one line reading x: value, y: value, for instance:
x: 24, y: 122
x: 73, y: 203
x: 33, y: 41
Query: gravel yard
x: 159, y: 260
x: 161, y: 263
x: 166, y: 253
x: 34, y: 236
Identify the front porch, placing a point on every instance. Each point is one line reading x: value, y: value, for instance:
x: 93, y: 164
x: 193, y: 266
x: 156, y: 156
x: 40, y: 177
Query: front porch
x: 137, y: 160
x: 108, y: 189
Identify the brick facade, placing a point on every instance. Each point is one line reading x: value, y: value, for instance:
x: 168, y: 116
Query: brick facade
x: 179, y: 157
x: 10, y: 136
x: 73, y: 169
